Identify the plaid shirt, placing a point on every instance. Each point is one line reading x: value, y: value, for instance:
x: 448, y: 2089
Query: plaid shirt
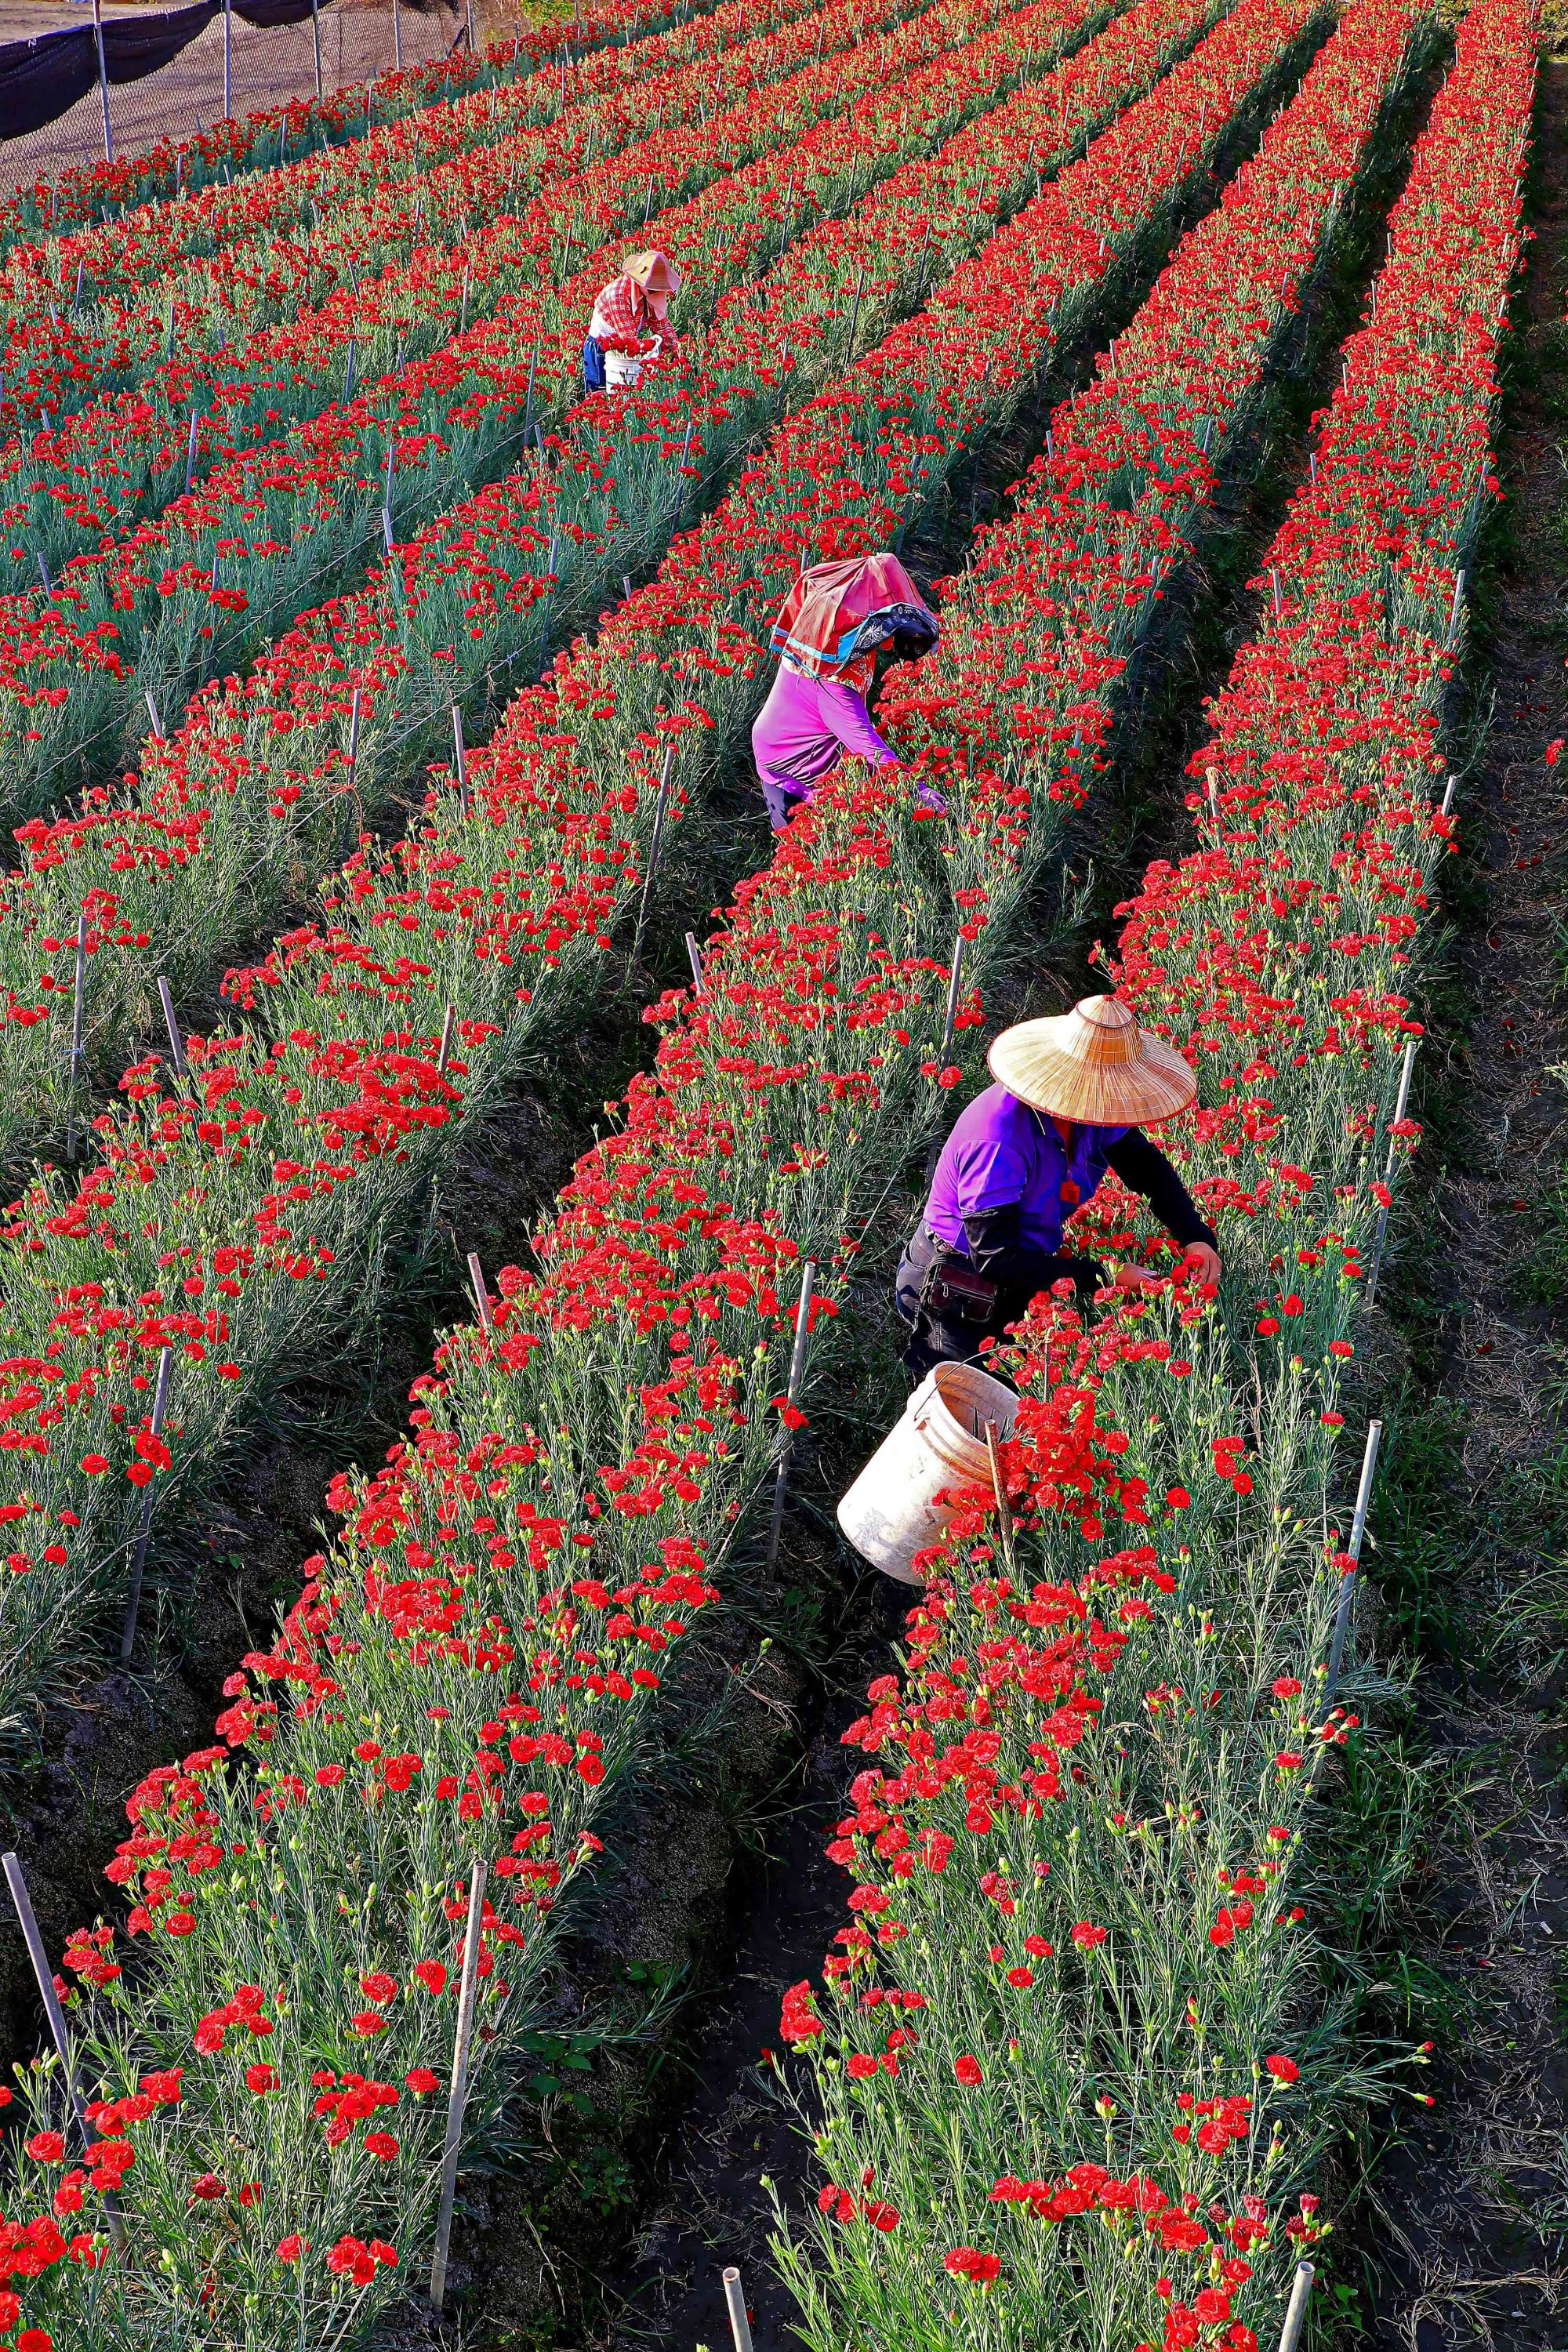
x: 623, y: 322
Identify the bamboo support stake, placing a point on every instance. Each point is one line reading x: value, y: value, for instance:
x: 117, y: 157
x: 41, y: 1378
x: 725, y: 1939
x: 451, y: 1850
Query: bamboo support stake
x: 459, y: 2098
x: 735, y: 2302
x: 1295, y: 2312
x: 1400, y: 1107
x: 103, y: 80
x: 481, y: 1295
x: 792, y: 1389
x: 653, y: 848
x: 1347, y: 1588
x: 46, y: 1982
x: 144, y: 1525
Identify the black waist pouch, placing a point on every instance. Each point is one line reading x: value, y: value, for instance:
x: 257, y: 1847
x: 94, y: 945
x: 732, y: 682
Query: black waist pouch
x: 953, y: 1291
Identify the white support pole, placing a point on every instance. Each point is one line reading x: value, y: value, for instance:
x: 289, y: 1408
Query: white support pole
x: 144, y: 1526
x: 1400, y: 1107
x: 792, y: 1390
x: 1295, y: 2313
x: 458, y: 2097
x: 1347, y: 1588
x: 446, y: 1028
x: 176, y: 1043
x: 735, y: 2303
x: 954, y: 983
x: 77, y: 1006
x: 653, y: 848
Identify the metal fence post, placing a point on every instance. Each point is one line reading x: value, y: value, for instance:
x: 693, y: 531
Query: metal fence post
x: 103, y: 80
x: 397, y: 33
x: 227, y: 61
x: 316, y: 37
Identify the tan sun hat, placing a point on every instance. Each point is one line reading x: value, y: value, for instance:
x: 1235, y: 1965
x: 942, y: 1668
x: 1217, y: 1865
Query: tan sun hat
x: 654, y: 272
x: 1094, y: 1064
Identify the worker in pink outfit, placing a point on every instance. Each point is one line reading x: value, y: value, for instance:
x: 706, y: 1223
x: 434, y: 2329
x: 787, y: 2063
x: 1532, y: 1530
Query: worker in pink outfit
x: 835, y: 620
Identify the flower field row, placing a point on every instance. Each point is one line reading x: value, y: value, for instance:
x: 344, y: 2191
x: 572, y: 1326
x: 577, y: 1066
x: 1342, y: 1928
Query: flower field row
x: 233, y: 333
x: 191, y: 863
x: 412, y: 103
x: 503, y: 328
x: 242, y: 1218
x: 501, y: 1550
x: 1070, y: 2053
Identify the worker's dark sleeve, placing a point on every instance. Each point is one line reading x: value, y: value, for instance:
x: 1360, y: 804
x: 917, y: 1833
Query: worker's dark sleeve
x: 1143, y: 1168
x: 1019, y: 1268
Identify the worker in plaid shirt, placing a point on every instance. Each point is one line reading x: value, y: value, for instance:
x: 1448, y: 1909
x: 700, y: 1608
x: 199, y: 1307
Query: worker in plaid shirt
x: 630, y: 325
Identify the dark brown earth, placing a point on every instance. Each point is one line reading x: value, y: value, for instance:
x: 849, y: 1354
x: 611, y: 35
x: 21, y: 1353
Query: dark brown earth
x: 1463, y: 2227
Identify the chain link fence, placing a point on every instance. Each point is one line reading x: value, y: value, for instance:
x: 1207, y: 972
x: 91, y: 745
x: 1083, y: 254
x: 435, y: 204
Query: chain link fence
x: 170, y: 73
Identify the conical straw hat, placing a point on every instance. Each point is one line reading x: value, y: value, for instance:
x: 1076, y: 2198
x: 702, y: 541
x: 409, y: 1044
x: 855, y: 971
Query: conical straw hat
x: 654, y: 272
x: 1094, y: 1064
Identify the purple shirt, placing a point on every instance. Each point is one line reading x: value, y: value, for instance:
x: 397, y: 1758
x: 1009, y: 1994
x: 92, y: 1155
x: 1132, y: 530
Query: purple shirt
x: 805, y: 728
x: 1001, y: 1151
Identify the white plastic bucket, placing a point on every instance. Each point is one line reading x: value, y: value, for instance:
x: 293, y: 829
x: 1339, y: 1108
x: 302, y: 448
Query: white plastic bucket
x: 891, y: 1511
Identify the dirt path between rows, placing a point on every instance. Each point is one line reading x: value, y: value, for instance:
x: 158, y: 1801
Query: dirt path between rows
x: 1469, y: 2216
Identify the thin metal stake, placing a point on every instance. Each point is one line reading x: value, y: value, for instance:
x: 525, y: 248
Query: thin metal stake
x: 955, y: 981
x: 152, y: 715
x: 144, y: 1526
x: 1451, y: 787
x: 459, y: 2092
x: 446, y: 1028
x: 1279, y: 599
x: 53, y: 2012
x: 316, y: 35
x: 481, y: 1295
x: 462, y: 764
x: 735, y: 2297
x: 653, y: 848
x: 191, y: 455
x: 855, y: 311
x: 1211, y: 778
x: 353, y: 742
x: 76, y: 1031
x: 176, y: 1043
x: 694, y: 958
x: 1296, y: 2314
x: 792, y: 1389
x: 1347, y: 1588
x: 999, y: 1489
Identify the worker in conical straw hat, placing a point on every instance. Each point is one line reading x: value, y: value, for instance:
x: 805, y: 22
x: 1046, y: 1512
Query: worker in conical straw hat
x: 630, y: 327
x: 1072, y: 1097
x: 835, y: 620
